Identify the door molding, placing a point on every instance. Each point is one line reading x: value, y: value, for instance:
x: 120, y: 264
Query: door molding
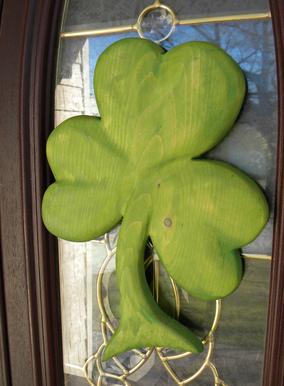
x: 28, y: 46
x: 274, y: 355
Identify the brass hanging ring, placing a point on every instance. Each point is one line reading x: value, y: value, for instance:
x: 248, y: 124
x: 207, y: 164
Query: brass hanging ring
x: 156, y: 5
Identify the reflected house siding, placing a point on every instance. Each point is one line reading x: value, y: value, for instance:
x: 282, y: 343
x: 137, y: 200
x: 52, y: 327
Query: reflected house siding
x: 73, y: 98
x: 73, y: 92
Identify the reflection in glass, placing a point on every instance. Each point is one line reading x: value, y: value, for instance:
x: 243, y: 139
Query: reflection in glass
x: 251, y: 146
x: 89, y: 14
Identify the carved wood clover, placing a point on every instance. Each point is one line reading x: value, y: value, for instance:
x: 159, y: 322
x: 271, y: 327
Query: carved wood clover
x: 139, y: 164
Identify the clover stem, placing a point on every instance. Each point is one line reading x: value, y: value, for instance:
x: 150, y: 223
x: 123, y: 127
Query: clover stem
x: 142, y: 322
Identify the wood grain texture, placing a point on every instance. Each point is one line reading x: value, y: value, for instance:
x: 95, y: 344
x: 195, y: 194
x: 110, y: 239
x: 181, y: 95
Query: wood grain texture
x: 5, y: 375
x: 28, y: 41
x: 159, y: 111
x: 1, y: 5
x: 274, y: 354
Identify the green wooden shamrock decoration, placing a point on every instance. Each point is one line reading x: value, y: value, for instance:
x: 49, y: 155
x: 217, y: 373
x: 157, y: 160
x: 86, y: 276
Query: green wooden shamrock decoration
x: 139, y: 164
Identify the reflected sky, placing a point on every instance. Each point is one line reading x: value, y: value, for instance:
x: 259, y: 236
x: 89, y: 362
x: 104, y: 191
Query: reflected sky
x: 249, y: 43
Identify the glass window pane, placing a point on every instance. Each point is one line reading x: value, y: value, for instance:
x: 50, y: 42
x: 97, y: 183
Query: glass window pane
x: 239, y: 339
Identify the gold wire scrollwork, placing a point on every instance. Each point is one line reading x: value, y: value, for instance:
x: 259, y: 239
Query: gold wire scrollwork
x: 168, y: 361
x: 106, y: 326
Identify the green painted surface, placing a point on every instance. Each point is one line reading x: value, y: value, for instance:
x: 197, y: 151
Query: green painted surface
x: 139, y: 164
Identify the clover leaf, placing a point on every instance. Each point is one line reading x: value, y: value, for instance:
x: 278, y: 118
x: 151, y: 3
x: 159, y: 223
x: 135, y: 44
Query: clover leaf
x: 138, y: 165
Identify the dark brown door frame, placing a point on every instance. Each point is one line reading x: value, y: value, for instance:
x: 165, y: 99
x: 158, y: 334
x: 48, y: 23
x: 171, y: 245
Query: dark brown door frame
x: 30, y: 333
x: 274, y: 355
x: 31, y: 353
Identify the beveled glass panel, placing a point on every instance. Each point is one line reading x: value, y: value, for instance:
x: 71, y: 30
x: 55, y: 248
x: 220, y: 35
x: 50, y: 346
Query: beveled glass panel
x: 239, y: 339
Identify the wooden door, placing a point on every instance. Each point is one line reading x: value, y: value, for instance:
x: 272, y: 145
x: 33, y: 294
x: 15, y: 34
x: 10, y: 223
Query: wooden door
x: 30, y: 327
